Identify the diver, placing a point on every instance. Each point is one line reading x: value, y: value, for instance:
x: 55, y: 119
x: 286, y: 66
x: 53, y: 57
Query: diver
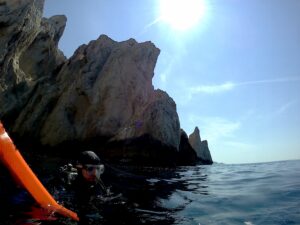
x: 89, y: 195
x: 85, y: 178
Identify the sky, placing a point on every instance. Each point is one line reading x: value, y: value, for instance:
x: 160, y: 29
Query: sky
x: 232, y: 67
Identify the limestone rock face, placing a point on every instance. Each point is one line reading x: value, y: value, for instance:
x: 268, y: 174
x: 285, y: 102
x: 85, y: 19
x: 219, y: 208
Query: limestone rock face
x: 104, y: 84
x: 103, y: 92
x: 157, y: 117
x: 28, y: 55
x: 200, y: 147
x: 19, y: 25
x: 42, y: 58
x: 187, y: 154
x: 40, y: 61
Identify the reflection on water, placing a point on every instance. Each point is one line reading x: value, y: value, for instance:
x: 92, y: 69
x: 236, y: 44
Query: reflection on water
x: 220, y: 194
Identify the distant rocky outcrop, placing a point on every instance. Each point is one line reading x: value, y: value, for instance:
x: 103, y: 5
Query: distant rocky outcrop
x: 187, y: 153
x: 201, y: 147
x: 101, y: 97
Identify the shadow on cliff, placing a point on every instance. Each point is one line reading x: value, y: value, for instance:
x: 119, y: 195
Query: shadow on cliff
x: 139, y: 151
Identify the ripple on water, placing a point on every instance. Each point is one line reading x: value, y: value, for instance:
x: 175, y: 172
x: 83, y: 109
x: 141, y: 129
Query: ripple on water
x: 249, y: 194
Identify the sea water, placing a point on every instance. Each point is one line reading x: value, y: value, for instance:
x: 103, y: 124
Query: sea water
x: 261, y: 193
x: 244, y: 194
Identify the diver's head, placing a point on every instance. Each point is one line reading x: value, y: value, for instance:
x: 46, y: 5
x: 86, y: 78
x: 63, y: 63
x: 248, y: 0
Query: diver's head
x: 90, y: 165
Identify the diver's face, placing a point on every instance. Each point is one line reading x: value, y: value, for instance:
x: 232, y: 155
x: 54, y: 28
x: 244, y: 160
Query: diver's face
x: 91, y: 173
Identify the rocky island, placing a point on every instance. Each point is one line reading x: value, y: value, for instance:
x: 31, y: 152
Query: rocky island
x: 101, y: 98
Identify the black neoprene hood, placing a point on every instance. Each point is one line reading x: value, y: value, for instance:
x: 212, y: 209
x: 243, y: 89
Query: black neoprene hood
x: 89, y: 157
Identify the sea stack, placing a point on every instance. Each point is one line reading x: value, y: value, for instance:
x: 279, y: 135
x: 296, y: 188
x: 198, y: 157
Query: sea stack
x: 200, y: 147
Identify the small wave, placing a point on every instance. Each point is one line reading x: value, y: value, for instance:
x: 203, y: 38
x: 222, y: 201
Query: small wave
x: 248, y: 223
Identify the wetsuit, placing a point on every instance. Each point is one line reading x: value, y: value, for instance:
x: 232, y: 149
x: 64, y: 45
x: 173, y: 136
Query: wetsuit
x: 89, y: 200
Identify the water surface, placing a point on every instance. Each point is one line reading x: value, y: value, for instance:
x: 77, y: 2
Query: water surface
x: 250, y: 194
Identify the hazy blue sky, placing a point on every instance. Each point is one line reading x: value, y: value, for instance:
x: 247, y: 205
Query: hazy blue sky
x: 232, y: 67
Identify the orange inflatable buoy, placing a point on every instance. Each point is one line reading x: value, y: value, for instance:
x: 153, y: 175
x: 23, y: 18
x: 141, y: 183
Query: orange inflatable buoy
x: 16, y: 164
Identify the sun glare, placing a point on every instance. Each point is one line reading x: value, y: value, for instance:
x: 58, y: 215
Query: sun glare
x: 182, y: 14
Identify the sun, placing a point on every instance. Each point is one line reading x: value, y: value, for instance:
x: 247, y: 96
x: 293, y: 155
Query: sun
x: 182, y: 14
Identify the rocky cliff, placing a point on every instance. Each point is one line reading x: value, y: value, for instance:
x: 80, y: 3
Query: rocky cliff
x: 201, y: 147
x: 102, y: 97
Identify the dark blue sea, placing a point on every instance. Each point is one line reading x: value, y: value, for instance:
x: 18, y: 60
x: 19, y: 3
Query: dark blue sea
x: 263, y: 193
x: 221, y: 194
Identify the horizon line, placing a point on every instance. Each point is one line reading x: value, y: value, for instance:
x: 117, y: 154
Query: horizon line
x: 263, y: 162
